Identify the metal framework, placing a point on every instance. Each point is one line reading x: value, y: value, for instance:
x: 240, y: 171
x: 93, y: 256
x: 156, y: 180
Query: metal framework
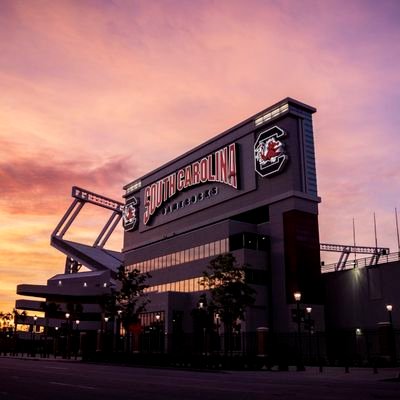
x: 81, y: 197
x: 346, y: 250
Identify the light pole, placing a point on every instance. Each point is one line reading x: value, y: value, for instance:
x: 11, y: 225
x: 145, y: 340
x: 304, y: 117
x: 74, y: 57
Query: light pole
x: 389, y: 308
x: 34, y: 335
x: 78, y: 342
x: 158, y: 329
x: 297, y: 299
x: 308, y: 311
x: 67, y: 315
x: 105, y: 340
x: 55, y: 339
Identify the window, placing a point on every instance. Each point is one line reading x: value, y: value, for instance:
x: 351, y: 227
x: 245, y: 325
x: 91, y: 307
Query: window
x: 212, y: 249
x: 207, y: 250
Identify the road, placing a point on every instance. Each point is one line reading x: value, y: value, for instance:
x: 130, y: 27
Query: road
x: 22, y: 379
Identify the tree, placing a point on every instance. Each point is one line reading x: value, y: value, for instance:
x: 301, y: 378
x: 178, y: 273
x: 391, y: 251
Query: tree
x: 128, y: 299
x: 230, y: 294
x: 18, y: 317
x: 5, y: 319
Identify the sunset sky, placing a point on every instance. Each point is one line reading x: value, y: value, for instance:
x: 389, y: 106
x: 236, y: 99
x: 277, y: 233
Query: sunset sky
x: 95, y: 93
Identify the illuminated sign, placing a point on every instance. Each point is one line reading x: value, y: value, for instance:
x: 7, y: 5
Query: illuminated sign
x: 97, y: 199
x: 269, y: 152
x: 219, y: 166
x: 130, y: 215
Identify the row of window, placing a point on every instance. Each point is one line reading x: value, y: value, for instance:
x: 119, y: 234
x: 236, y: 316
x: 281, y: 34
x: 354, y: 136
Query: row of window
x: 188, y: 285
x: 253, y: 276
x: 243, y: 240
x: 184, y: 256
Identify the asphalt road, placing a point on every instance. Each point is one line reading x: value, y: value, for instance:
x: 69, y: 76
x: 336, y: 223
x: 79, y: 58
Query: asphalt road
x: 22, y: 379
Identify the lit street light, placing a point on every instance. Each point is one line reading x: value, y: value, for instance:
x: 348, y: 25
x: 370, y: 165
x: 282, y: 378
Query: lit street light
x: 67, y: 315
x: 297, y: 298
x: 392, y: 337
x: 308, y: 311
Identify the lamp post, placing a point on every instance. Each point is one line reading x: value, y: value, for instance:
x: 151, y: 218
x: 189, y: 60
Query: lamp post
x: 78, y: 342
x: 55, y: 341
x: 67, y: 315
x: 119, y: 329
x: 34, y: 335
x: 158, y: 332
x: 308, y: 311
x: 389, y: 308
x: 105, y: 338
x: 297, y: 298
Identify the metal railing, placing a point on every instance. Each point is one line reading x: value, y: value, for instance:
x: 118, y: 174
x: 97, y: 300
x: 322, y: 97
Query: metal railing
x: 362, y: 262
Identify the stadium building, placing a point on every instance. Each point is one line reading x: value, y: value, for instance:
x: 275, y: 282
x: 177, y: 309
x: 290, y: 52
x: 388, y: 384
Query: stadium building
x: 250, y: 191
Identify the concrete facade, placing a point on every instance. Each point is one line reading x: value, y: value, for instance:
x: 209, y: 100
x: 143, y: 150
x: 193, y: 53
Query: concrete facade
x: 278, y: 211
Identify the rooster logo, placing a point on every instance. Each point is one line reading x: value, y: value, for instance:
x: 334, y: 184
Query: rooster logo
x: 269, y: 152
x: 129, y: 215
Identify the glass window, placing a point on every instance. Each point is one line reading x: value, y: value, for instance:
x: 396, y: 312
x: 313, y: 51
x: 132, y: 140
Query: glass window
x: 196, y: 252
x: 187, y: 255
x: 182, y: 256
x: 236, y: 242
x: 250, y: 241
x: 212, y: 249
x: 201, y: 254
x: 168, y: 260
x: 217, y: 247
x: 224, y: 247
x: 262, y: 243
x: 207, y: 250
x: 191, y: 252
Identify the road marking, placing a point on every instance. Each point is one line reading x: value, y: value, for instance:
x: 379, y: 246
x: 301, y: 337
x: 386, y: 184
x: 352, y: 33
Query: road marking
x: 72, y: 385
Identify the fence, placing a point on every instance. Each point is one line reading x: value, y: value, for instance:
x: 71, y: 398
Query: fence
x: 346, y: 348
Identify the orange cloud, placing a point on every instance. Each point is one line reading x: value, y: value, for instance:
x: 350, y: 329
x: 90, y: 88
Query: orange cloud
x: 98, y: 93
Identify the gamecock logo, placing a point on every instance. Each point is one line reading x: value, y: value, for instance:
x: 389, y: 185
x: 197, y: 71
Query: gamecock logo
x: 269, y: 152
x: 129, y: 215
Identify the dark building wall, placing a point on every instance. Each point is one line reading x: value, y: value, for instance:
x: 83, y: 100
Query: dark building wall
x: 357, y: 298
x: 261, y: 201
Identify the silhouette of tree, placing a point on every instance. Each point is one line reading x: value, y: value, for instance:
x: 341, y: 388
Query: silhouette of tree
x: 229, y: 292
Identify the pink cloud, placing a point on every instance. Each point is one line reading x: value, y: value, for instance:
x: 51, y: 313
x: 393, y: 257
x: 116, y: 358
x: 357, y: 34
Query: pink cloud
x: 98, y: 93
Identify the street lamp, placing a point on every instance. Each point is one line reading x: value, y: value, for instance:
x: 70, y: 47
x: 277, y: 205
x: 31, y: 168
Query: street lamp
x: 389, y: 308
x: 308, y: 311
x: 67, y: 315
x: 34, y: 335
x: 297, y: 298
x: 77, y: 322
